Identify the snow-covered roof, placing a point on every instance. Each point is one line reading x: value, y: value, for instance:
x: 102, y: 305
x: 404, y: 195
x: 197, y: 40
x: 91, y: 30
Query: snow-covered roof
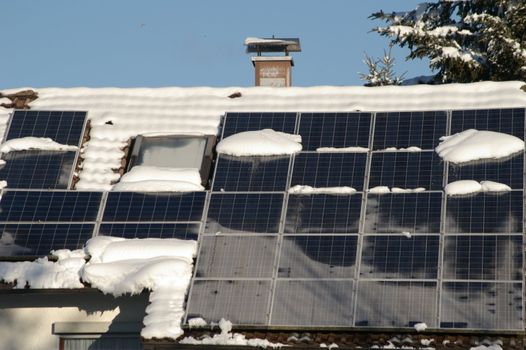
x: 134, y: 111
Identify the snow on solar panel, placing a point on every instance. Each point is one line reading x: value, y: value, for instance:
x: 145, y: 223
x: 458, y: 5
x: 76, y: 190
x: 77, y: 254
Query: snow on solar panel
x: 41, y: 169
x: 403, y: 254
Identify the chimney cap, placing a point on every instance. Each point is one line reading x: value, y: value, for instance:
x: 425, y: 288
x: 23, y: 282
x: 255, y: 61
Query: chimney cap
x: 260, y: 45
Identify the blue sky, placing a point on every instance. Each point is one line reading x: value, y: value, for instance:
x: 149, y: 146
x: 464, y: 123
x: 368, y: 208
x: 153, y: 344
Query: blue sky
x: 129, y: 43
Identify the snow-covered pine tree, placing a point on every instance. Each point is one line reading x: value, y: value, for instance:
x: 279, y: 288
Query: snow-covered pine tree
x: 465, y: 40
x: 381, y: 71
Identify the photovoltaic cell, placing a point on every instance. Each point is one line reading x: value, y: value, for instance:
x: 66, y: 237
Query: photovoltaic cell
x: 318, y: 257
x: 64, y: 127
x: 483, y: 257
x: 334, y: 130
x: 45, y: 206
x: 406, y: 129
x: 329, y: 170
x: 150, y: 207
x: 395, y: 304
x: 37, y: 239
x: 237, y: 256
x: 37, y: 169
x: 241, y: 302
x: 150, y: 230
x: 407, y: 170
x: 241, y: 212
x: 251, y: 173
x: 323, y: 213
x: 313, y: 303
x: 481, y: 305
x: 508, y: 171
x: 508, y: 121
x: 389, y: 257
x: 485, y: 213
x: 238, y: 122
x: 403, y: 212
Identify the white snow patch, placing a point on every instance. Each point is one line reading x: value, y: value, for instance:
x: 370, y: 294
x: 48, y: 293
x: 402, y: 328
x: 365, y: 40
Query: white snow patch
x: 41, y: 273
x: 342, y: 150
x: 164, y: 266
x: 407, y: 190
x: 408, y: 149
x: 119, y: 266
x: 2, y: 162
x: 254, y: 40
x: 470, y: 145
x: 420, y: 327
x: 330, y: 346
x: 228, y: 338
x: 144, y: 178
x: 197, y: 322
x: 385, y: 189
x: 30, y: 143
x: 3, y: 184
x: 492, y: 186
x: 266, y: 142
x: 380, y: 190
x: 486, y: 347
x: 426, y: 342
x: 306, y: 190
x: 407, y: 234
x: 157, y: 186
x: 463, y: 187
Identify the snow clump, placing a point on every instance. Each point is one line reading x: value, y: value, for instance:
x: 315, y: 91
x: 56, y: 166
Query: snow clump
x: 37, y: 143
x: 143, y: 178
x: 266, y: 142
x: 470, y: 145
x: 306, y: 190
x: 463, y: 187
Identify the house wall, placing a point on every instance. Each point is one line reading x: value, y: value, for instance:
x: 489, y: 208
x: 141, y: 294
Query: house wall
x: 26, y: 319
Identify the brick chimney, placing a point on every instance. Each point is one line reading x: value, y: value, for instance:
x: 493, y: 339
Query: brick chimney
x: 273, y: 69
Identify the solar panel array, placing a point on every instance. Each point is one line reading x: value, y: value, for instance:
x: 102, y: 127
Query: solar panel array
x: 386, y: 260
x: 268, y: 257
x: 38, y: 169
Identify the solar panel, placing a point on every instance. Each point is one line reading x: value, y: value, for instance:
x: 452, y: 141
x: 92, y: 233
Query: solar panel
x: 49, y: 206
x: 239, y: 122
x: 508, y: 171
x: 244, y: 212
x: 251, y: 173
x: 409, y: 129
x: 329, y: 170
x: 150, y: 207
x: 64, y: 127
x: 150, y: 230
x: 37, y: 169
x: 508, y: 121
x: 485, y: 213
x: 236, y: 256
x: 395, y: 303
x: 272, y: 257
x: 313, y: 303
x: 407, y: 170
x: 481, y: 305
x: 390, y: 257
x: 338, y: 130
x: 323, y: 213
x: 35, y: 239
x: 477, y: 257
x: 318, y: 256
x: 403, y: 212
x: 240, y: 301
